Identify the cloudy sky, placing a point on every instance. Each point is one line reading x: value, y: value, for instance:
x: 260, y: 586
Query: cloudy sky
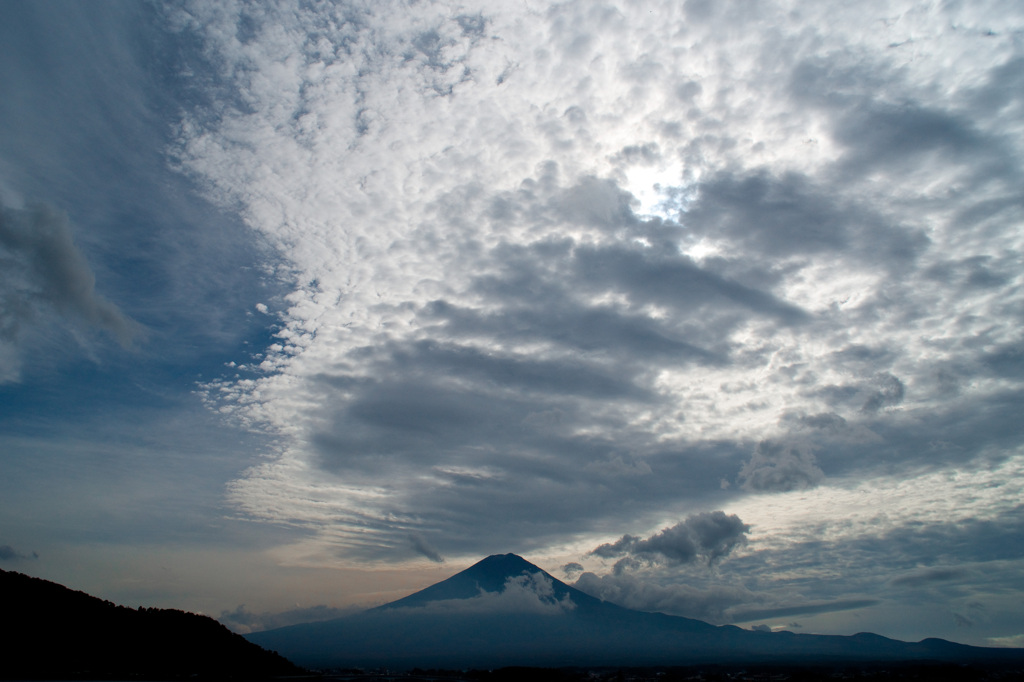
x: 710, y: 308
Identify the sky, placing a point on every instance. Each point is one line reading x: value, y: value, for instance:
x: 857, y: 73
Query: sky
x: 709, y: 308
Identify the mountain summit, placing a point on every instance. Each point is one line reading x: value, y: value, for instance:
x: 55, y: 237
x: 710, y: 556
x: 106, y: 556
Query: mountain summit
x: 504, y: 611
x: 493, y: 575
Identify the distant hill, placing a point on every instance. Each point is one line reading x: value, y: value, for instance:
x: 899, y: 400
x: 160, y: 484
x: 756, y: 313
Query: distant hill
x: 53, y: 632
x: 504, y: 611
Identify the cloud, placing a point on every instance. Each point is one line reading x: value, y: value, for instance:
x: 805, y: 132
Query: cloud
x: 677, y: 282
x: 744, y: 616
x: 530, y: 285
x: 45, y: 268
x: 962, y: 621
x: 572, y: 570
x: 952, y: 540
x: 708, y: 535
x: 824, y: 420
x: 45, y: 273
x: 889, y: 392
x: 243, y: 621
x: 421, y: 547
x: 8, y: 553
x: 499, y: 327
x: 1014, y: 641
x: 927, y: 577
x: 789, y: 216
x: 780, y: 467
x: 710, y: 604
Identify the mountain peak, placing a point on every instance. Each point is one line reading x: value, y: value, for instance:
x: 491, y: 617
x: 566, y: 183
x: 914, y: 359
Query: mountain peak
x: 487, y: 575
x: 510, y: 556
x: 512, y: 563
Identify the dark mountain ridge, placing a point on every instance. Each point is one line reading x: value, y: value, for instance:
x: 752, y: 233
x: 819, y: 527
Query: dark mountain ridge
x: 504, y: 611
x: 53, y: 632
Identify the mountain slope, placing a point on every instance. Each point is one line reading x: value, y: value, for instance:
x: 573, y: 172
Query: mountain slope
x: 487, y: 575
x: 54, y: 632
x: 504, y: 611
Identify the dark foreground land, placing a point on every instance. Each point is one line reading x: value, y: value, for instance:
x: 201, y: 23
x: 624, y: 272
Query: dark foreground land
x: 51, y: 632
x: 877, y: 672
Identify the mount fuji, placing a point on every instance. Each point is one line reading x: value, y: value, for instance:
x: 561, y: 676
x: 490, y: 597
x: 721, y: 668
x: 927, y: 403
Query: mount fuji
x: 504, y: 611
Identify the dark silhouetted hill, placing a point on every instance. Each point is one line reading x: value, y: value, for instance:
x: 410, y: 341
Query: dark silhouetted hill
x: 54, y: 632
x: 504, y: 611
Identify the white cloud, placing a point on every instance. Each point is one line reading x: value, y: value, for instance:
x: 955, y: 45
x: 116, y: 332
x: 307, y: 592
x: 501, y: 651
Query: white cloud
x: 710, y: 604
x: 477, y: 306
x: 1014, y: 641
x: 845, y: 509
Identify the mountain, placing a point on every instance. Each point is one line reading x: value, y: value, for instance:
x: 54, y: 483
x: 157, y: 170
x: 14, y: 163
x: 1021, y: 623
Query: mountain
x: 492, y: 576
x: 52, y: 632
x: 504, y: 611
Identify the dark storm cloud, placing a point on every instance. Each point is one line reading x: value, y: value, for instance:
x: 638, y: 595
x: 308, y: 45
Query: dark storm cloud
x: 708, y: 536
x: 45, y: 271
